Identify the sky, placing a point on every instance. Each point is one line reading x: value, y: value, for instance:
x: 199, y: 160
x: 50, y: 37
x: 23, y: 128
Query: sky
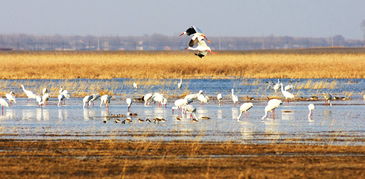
x: 299, y: 18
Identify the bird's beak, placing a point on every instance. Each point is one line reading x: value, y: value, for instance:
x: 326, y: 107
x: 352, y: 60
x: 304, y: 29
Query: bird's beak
x: 183, y: 33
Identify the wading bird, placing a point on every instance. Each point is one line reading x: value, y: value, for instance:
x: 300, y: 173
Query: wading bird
x: 86, y: 100
x: 3, y: 103
x: 288, y: 96
x: 179, y: 84
x: 244, y: 108
x: 276, y: 87
x: 62, y: 96
x: 135, y: 85
x: 234, y: 97
x: 147, y: 98
x: 271, y: 106
x: 310, y: 108
x: 328, y: 97
x: 95, y: 97
x: 219, y: 98
x: 129, y: 102
x: 10, y: 97
x: 29, y: 94
x: 105, y: 99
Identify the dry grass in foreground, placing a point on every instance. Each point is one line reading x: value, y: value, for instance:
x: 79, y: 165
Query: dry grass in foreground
x: 161, y: 65
x: 128, y: 159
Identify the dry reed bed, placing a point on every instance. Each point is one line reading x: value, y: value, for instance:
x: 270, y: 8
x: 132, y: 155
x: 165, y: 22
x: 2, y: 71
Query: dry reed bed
x: 161, y: 65
x: 140, y: 159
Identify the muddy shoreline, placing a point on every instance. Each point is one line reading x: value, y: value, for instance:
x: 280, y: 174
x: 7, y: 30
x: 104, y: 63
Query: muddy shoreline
x: 156, y: 159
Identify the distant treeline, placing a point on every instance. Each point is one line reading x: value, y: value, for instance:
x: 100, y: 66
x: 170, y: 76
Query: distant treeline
x: 163, y: 42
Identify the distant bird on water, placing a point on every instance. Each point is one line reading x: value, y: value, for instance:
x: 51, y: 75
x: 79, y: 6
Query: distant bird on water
x: 310, y: 108
x: 179, y: 84
x: 219, y: 98
x: 129, y: 102
x: 328, y: 97
x: 135, y: 85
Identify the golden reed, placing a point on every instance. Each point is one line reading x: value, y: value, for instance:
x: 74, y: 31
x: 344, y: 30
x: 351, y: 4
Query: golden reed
x: 162, y: 65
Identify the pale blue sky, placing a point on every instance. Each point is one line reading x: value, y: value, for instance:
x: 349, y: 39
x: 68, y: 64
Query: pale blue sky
x: 301, y: 18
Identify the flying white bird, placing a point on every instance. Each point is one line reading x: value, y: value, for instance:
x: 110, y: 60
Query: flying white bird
x: 271, y: 106
x: 201, y: 50
x: 219, y: 98
x: 234, y: 97
x: 197, y: 41
x: 29, y: 94
x: 11, y: 97
x: 244, y: 108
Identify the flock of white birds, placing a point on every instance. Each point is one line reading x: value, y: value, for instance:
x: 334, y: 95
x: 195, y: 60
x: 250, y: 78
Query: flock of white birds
x: 184, y: 105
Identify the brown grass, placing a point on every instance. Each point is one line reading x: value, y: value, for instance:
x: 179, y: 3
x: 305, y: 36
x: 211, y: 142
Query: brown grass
x: 161, y: 65
x: 114, y: 158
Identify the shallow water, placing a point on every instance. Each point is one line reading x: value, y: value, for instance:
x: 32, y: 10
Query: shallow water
x: 340, y: 124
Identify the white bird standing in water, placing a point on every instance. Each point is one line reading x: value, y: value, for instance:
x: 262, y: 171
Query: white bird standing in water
x: 3, y: 103
x: 192, y: 110
x: 147, y: 98
x: 105, y: 99
x: 193, y: 96
x: 234, y: 97
x: 244, y: 108
x: 45, y: 96
x: 179, y: 84
x: 328, y: 97
x: 310, y: 108
x: 62, y: 96
x: 11, y: 97
x: 219, y: 98
x: 86, y: 100
x: 277, y: 85
x: 129, y: 102
x: 95, y: 97
x: 29, y: 94
x: 271, y: 106
x: 135, y: 85
x: 286, y: 94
